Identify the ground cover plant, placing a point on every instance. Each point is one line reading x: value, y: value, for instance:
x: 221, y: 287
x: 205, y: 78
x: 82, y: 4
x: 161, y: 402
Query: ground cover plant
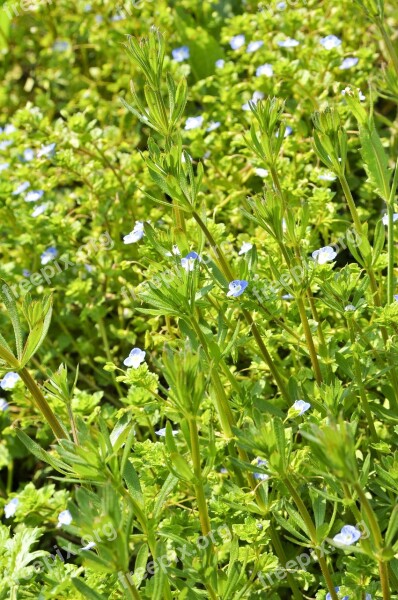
x: 199, y: 300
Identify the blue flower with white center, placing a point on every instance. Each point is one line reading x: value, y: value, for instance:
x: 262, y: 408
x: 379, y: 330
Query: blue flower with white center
x: 220, y: 63
x: 237, y: 287
x: 9, y: 380
x: 189, y: 261
x: 135, y: 358
x: 300, y: 406
x: 330, y: 41
x: 28, y: 155
x: 347, y: 536
x: 39, y: 210
x: 246, y: 247
x: 324, y: 255
x: 4, y: 166
x: 162, y: 432
x: 288, y: 43
x: 48, y: 255
x: 396, y: 297
x: 61, y: 46
x: 118, y: 17
x: 327, y: 177
x: 349, y: 308
x: 213, y: 125
x: 193, y: 123
x: 26, y: 272
x: 34, y: 195
x: 287, y: 297
x: 21, y: 188
x: 64, y: 518
x: 394, y: 218
x: 348, y: 63
x: 11, y: 508
x: 254, y: 46
x: 261, y: 172
x: 180, y: 54
x: 336, y: 589
x: 288, y: 131
x: 260, y: 462
x: 47, y: 151
x: 257, y: 96
x: 135, y: 235
x: 281, y: 5
x: 237, y: 42
x: 265, y: 69
x: 3, y: 404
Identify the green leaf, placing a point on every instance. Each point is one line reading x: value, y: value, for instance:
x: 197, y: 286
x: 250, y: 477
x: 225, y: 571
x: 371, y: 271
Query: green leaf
x: 375, y: 161
x: 86, y: 591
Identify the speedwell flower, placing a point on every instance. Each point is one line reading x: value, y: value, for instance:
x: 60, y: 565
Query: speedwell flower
x: 4, y: 166
x: 136, y: 234
x: 246, y: 246
x: 188, y: 261
x: 3, y: 404
x: 349, y: 62
x: 237, y: 287
x: 162, y: 432
x: 347, y: 536
x: 255, y: 98
x: 261, y: 172
x: 47, y: 150
x: 193, y: 123
x: 265, y: 69
x: 220, y: 63
x: 394, y: 218
x: 64, y: 518
x: 301, y: 406
x: 135, y: 358
x: 48, y: 255
x: 237, y: 42
x: 180, y: 54
x: 327, y: 177
x: 28, y: 155
x: 260, y: 462
x: 21, y: 188
x: 324, y: 255
x: 33, y: 195
x: 39, y: 210
x: 9, y: 380
x: 213, y: 125
x: 11, y: 508
x: 253, y: 46
x: 288, y: 43
x: 330, y: 41
x: 336, y: 589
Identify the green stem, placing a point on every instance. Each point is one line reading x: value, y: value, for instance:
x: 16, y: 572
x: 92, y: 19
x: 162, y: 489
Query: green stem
x: 310, y: 341
x: 351, y: 204
x: 377, y: 539
x: 197, y: 469
x: 277, y: 544
x: 42, y: 404
x: 131, y: 590
x: 105, y: 341
x: 390, y: 234
x: 389, y: 45
x: 312, y: 533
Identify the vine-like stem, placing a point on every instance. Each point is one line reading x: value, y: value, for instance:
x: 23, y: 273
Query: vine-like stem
x: 197, y: 469
x: 388, y: 43
x: 390, y: 243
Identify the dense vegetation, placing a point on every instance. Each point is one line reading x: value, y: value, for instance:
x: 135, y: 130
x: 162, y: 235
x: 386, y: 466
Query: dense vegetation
x: 199, y: 300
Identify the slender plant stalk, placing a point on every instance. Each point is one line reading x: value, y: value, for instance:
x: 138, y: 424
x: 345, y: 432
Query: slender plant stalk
x: 390, y: 242
x: 388, y: 43
x: 377, y: 539
x: 105, y: 341
x: 312, y: 532
x: 351, y: 204
x: 197, y: 469
x: 131, y: 590
x: 42, y: 404
x: 277, y: 544
x: 310, y: 341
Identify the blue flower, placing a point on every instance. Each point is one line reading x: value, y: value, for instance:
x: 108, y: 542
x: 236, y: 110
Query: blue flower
x: 281, y: 5
x: 26, y: 272
x: 48, y: 255
x: 254, y: 99
x: 220, y: 63
x: 260, y: 462
x: 246, y: 247
x: 213, y: 125
x: 385, y: 218
x: 135, y: 358
x: 21, y: 188
x: 64, y: 518
x: 324, y: 255
x: 301, y: 406
x: 348, y: 63
x: 237, y: 42
x: 347, y: 536
x: 237, y: 287
x: 193, y: 123
x: 11, y: 508
x: 48, y: 150
x: 7, y: 129
x: 3, y: 404
x: 330, y: 41
x: 28, y: 155
x: 162, y: 432
x: 136, y: 234
x: 188, y: 262
x: 253, y: 46
x: 327, y: 177
x: 39, y: 210
x: 265, y: 69
x: 61, y: 46
x: 180, y: 54
x: 336, y: 589
x: 9, y: 380
x: 33, y: 195
x: 288, y: 43
x: 4, y: 166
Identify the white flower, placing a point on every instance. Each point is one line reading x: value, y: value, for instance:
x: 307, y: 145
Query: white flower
x: 288, y: 43
x: 349, y: 308
x: 324, y: 255
x: 193, y: 123
x: 21, y: 188
x: 47, y: 150
x: 327, y: 177
x: 348, y: 63
x: 246, y: 246
x: 4, y: 166
x: 253, y: 46
x: 281, y: 5
x: 385, y: 218
x: 48, y: 255
x: 39, y: 210
x: 213, y: 125
x: 11, y: 508
x: 180, y: 54
x: 396, y: 297
x: 9, y: 380
x: 162, y: 432
x: 135, y: 358
x: 64, y: 518
x: 265, y: 69
x: 237, y: 42
x: 220, y: 63
x: 255, y: 98
x: 3, y: 404
x: 301, y: 406
x: 33, y: 195
x: 174, y: 251
x: 28, y: 154
x: 188, y: 262
x: 261, y: 172
x: 136, y: 234
x: 330, y: 41
x: 347, y: 536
